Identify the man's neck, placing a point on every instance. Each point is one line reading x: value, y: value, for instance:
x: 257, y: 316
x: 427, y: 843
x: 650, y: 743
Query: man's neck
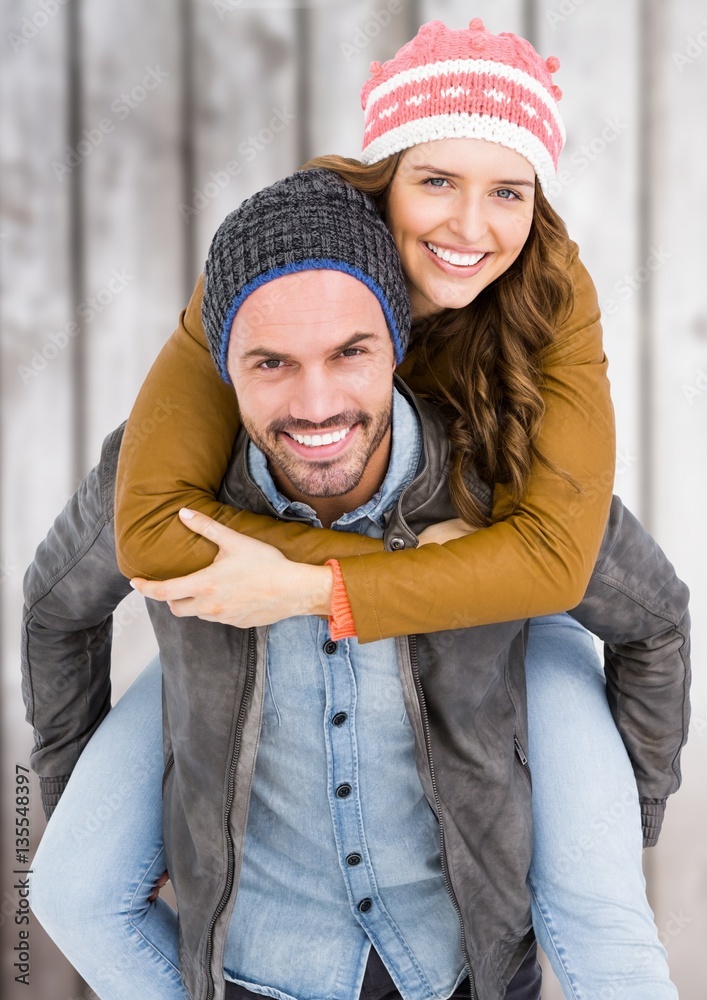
x: 330, y: 509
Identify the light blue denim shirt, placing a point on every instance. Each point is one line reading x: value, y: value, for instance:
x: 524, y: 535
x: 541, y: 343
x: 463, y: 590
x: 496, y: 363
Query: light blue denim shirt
x: 342, y: 849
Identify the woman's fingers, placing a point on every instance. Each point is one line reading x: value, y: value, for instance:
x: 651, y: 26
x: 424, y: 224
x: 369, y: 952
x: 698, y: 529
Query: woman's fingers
x: 445, y: 531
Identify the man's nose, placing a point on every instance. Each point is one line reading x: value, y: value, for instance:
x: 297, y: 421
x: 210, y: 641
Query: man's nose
x: 316, y: 396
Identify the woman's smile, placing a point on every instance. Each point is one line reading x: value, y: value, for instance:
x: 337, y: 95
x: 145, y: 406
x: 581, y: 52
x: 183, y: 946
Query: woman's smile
x: 457, y: 261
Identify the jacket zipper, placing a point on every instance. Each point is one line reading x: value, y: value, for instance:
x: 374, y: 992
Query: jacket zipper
x: 229, y: 802
x: 522, y: 756
x: 167, y: 768
x: 438, y: 804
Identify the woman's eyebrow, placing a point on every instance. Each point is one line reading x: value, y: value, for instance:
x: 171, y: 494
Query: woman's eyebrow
x: 431, y: 168
x: 435, y: 170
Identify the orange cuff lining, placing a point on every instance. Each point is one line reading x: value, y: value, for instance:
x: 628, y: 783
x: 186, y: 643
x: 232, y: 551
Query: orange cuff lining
x: 341, y: 621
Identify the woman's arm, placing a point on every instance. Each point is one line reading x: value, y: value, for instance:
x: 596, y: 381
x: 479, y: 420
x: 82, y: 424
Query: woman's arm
x: 537, y: 561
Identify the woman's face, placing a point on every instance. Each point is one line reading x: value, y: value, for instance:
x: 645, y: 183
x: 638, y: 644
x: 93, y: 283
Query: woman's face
x: 460, y: 211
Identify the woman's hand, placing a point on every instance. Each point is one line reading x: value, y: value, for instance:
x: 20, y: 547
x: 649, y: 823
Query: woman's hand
x: 445, y: 531
x: 249, y: 583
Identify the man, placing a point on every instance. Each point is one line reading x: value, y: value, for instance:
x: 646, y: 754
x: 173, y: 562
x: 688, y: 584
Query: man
x: 333, y: 822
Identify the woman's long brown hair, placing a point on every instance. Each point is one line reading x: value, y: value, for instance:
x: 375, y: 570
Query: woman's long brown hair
x: 492, y: 351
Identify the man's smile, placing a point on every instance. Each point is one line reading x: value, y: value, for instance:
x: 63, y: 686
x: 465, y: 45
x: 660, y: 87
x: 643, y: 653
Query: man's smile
x: 326, y: 444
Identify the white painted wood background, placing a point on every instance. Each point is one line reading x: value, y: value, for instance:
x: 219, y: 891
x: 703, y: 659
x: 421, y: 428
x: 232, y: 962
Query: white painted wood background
x: 633, y: 193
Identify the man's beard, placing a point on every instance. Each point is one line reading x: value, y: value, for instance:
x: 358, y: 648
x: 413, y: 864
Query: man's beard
x: 325, y: 478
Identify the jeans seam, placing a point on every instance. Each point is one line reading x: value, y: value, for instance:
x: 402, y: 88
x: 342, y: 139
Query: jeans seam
x: 551, y: 935
x: 150, y: 944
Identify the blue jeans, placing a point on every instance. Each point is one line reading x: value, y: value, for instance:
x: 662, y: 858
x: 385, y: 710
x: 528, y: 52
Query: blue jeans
x: 102, y: 850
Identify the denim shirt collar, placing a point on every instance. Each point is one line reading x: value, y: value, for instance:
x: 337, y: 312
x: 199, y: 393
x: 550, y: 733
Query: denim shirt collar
x: 405, y: 454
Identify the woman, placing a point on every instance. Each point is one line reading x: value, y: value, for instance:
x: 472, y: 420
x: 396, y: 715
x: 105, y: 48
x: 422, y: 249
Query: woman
x: 459, y: 173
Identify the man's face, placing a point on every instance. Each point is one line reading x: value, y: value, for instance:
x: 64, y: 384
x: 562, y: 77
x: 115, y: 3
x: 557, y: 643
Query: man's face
x: 311, y: 360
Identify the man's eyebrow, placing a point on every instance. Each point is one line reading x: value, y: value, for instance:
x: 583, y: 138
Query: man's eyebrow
x: 265, y: 352
x: 431, y: 168
x: 356, y: 338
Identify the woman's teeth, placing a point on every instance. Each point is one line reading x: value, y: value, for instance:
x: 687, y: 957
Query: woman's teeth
x: 461, y: 259
x: 317, y: 440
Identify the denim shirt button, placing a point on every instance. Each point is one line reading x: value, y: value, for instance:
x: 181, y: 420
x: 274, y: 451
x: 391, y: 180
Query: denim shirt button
x: 339, y: 719
x: 330, y: 647
x: 365, y: 905
x: 353, y: 860
x: 343, y: 791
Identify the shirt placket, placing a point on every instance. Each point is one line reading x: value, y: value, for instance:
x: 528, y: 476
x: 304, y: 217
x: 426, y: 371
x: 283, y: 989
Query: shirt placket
x: 344, y: 781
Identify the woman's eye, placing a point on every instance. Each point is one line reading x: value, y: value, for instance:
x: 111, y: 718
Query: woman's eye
x: 436, y: 182
x: 507, y: 195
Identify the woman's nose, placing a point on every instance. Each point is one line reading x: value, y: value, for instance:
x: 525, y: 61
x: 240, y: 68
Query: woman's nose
x: 469, y: 222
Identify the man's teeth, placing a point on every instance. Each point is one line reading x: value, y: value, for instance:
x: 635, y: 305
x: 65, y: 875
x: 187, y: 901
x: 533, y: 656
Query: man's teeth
x: 462, y: 259
x: 317, y: 440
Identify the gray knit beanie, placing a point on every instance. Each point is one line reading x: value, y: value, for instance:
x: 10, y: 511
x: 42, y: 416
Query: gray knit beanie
x: 312, y: 220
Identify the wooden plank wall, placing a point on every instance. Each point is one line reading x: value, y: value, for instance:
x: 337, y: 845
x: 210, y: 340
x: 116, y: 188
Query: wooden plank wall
x: 262, y: 86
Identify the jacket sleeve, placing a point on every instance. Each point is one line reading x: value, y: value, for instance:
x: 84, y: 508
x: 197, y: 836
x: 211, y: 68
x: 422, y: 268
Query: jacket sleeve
x: 637, y: 605
x: 71, y: 590
x: 537, y: 561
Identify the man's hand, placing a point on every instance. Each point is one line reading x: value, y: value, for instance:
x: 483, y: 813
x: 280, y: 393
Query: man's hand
x: 249, y: 583
x: 445, y: 531
x: 160, y: 884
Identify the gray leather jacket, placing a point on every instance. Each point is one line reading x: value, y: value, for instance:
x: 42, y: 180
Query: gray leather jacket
x: 464, y: 693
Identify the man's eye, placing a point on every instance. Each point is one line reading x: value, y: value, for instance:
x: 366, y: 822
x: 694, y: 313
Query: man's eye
x: 351, y: 352
x: 272, y: 364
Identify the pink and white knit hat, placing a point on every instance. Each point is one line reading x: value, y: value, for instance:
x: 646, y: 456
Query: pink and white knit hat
x: 468, y: 83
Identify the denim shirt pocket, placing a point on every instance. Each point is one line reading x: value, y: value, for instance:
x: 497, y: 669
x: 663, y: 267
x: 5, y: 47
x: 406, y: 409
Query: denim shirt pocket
x: 271, y: 713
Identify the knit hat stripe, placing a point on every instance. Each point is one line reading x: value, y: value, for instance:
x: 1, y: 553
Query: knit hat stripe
x: 461, y: 126
x: 464, y: 67
x: 488, y: 93
x: 318, y: 264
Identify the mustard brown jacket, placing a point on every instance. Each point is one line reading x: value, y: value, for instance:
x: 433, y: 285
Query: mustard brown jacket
x: 464, y: 692
x: 179, y: 440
